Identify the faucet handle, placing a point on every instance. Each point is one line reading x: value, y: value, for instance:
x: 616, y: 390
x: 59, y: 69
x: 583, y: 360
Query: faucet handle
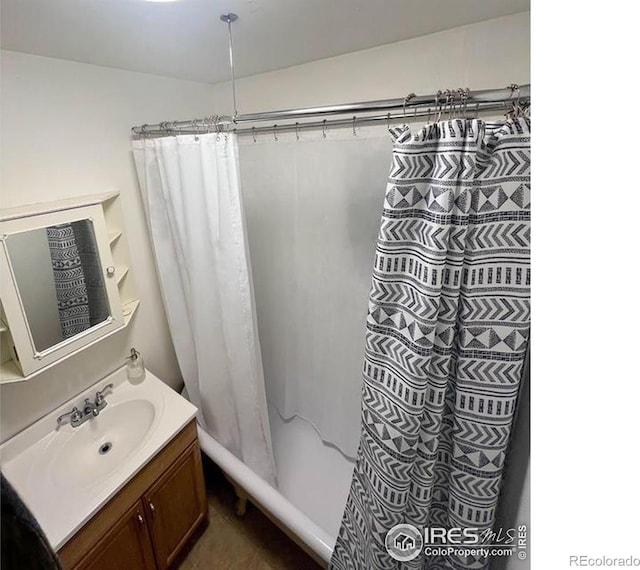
x: 100, y: 394
x: 74, y: 416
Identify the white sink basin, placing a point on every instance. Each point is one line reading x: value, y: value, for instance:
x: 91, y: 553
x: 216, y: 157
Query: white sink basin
x: 100, y: 445
x: 66, y: 474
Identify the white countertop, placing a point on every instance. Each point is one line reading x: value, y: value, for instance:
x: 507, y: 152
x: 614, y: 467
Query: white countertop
x: 31, y: 459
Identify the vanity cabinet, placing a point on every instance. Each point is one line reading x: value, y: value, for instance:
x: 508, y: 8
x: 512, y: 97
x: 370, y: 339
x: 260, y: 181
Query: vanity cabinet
x: 126, y: 545
x: 146, y: 524
x: 175, y: 507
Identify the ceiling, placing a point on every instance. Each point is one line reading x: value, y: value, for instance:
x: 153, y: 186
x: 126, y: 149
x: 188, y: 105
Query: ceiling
x: 186, y: 39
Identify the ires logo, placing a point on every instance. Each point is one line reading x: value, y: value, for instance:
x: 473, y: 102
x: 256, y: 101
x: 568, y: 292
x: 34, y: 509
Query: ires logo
x: 463, y: 536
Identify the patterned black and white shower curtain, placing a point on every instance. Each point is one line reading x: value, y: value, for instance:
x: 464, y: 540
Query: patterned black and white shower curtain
x: 92, y: 269
x: 446, y: 338
x: 77, y: 277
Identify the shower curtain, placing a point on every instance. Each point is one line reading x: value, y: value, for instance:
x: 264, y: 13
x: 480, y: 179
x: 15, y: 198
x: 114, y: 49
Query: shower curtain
x: 313, y: 208
x: 77, y: 276
x: 446, y: 338
x: 92, y: 269
x: 68, y: 278
x: 191, y: 194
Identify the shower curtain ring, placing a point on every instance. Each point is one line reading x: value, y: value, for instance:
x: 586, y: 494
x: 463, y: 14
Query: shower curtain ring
x: 253, y: 134
x: 451, y: 99
x: 465, y: 97
x: 438, y: 105
x: 275, y: 135
x: 297, y: 133
x: 515, y: 108
x: 447, y: 101
x: 355, y: 134
x: 324, y: 129
x: 388, y: 120
x: 404, y: 104
x: 461, y: 92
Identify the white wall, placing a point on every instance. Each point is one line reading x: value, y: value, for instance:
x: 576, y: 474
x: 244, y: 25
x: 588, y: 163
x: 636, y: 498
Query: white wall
x: 65, y: 132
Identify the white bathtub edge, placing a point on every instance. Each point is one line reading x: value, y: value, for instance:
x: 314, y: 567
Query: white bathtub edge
x: 277, y: 507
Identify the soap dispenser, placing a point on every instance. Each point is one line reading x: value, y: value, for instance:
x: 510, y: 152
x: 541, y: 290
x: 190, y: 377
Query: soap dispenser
x: 135, y: 367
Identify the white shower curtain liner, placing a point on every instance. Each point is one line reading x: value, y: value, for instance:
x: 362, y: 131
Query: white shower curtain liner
x: 191, y: 195
x: 313, y: 207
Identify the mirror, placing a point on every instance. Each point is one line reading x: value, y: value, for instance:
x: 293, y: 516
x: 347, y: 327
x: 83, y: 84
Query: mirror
x: 58, y: 274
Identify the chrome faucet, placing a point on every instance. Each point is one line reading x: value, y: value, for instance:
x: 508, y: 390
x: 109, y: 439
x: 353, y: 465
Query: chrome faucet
x: 74, y: 417
x: 90, y: 409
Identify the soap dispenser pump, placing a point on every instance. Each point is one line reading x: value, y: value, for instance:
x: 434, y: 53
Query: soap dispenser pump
x: 135, y: 367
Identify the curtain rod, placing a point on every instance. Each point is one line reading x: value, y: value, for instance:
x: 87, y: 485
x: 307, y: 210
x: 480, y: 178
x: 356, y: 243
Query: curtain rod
x: 472, y: 101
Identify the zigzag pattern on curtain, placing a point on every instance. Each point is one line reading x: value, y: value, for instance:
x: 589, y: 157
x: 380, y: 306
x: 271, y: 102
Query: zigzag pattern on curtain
x: 77, y: 276
x: 447, y: 332
x: 68, y: 277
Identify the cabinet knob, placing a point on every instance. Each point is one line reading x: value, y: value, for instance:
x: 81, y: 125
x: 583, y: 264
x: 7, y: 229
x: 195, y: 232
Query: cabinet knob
x: 140, y: 519
x: 152, y: 507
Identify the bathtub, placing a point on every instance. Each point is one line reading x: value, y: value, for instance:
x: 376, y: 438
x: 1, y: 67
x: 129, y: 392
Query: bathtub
x: 313, y: 483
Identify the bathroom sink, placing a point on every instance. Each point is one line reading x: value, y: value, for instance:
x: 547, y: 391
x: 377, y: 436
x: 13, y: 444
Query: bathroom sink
x: 65, y: 474
x: 99, y: 446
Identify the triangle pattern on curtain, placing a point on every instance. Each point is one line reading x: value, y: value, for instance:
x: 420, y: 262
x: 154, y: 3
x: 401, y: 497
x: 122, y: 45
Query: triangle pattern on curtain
x: 446, y: 339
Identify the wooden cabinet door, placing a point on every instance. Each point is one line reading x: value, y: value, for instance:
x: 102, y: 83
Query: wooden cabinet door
x: 175, y: 506
x: 125, y: 545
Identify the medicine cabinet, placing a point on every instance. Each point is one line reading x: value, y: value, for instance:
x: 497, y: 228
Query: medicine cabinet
x: 65, y: 281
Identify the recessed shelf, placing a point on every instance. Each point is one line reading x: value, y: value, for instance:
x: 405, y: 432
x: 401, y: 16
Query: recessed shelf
x: 113, y: 236
x: 121, y: 271
x: 128, y: 309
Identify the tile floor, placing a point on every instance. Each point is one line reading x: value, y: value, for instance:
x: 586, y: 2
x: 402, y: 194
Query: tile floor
x: 230, y: 542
